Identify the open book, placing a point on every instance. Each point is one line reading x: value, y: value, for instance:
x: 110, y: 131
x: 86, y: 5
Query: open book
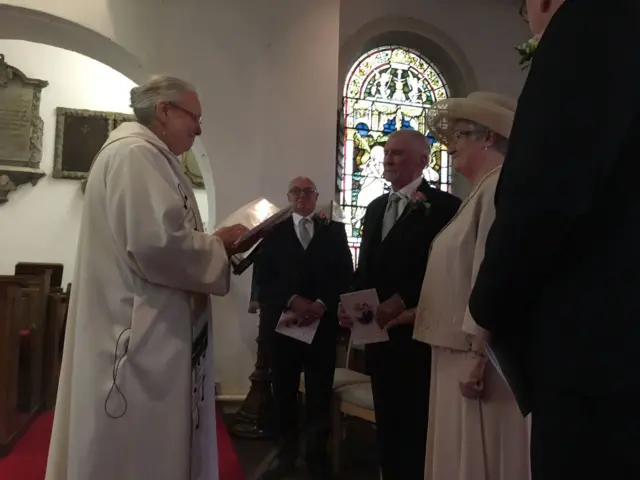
x: 258, y: 216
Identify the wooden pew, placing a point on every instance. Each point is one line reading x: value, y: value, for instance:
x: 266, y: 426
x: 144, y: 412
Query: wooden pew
x: 55, y: 322
x: 58, y: 307
x: 32, y: 322
x: 12, y: 308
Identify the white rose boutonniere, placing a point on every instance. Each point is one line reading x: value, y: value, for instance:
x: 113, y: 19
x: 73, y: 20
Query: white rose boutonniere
x: 526, y: 51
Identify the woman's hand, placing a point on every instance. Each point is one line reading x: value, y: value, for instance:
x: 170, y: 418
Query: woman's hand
x: 471, y: 380
x: 408, y: 317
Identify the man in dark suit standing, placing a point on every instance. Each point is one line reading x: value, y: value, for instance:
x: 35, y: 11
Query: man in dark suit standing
x: 304, y: 266
x: 397, y: 232
x: 561, y: 272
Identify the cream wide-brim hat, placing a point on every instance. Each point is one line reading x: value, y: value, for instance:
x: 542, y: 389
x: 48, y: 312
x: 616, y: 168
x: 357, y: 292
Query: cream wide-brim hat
x: 491, y: 110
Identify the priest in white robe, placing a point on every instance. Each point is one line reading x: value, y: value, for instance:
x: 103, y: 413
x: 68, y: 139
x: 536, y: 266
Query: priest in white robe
x: 131, y: 393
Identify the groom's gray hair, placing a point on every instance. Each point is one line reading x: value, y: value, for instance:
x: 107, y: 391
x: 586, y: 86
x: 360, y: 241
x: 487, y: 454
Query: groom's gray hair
x: 421, y: 141
x: 145, y: 97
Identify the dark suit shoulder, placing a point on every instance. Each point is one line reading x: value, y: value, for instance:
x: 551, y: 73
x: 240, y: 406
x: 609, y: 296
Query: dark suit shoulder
x: 446, y: 199
x: 382, y: 199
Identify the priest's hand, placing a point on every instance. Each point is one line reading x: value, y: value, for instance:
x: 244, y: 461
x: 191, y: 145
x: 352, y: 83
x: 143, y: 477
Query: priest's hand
x: 230, y: 235
x: 408, y: 317
x: 388, y: 310
x: 344, y: 318
x: 471, y: 380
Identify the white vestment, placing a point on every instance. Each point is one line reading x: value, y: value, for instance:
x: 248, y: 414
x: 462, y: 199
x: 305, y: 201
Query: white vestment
x: 126, y: 404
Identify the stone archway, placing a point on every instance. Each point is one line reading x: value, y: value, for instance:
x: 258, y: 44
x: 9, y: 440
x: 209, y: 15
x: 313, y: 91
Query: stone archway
x: 19, y: 23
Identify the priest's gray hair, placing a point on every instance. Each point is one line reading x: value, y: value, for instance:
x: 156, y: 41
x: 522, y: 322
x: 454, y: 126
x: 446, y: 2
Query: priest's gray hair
x: 145, y: 97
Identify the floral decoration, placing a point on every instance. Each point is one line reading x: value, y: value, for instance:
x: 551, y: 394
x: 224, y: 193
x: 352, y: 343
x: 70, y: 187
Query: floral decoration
x: 527, y: 50
x: 323, y: 217
x: 418, y: 201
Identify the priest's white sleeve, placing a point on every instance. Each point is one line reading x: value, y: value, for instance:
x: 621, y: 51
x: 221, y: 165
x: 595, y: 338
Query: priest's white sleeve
x: 146, y: 210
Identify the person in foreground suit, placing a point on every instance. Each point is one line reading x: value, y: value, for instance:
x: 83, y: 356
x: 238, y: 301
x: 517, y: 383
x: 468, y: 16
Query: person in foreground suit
x: 397, y: 232
x: 560, y: 274
x: 304, y: 266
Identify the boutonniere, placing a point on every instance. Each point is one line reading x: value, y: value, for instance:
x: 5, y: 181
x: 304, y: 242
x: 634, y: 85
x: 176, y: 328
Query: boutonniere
x: 418, y: 201
x: 526, y: 51
x: 323, y: 218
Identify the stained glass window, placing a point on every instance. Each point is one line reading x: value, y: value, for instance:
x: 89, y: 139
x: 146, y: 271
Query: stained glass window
x: 387, y: 89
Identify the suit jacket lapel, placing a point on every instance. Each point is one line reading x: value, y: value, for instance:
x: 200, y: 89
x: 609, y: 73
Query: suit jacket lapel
x: 373, y: 231
x: 318, y: 229
x: 422, y: 188
x: 292, y: 234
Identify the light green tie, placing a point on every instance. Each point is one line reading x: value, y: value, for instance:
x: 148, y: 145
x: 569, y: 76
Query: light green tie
x: 391, y: 213
x: 305, y: 234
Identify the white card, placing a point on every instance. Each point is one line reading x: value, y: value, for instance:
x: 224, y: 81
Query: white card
x: 361, y: 307
x: 303, y: 334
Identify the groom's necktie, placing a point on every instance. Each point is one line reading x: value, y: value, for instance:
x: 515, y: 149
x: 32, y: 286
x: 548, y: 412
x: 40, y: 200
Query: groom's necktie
x: 391, y: 213
x: 305, y: 234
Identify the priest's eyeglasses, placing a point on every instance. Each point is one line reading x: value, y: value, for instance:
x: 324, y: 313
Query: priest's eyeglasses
x: 195, y: 117
x: 297, y: 191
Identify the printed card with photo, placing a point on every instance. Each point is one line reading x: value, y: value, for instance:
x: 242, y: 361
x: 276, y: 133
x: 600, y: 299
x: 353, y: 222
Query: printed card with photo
x: 361, y: 307
x: 286, y: 326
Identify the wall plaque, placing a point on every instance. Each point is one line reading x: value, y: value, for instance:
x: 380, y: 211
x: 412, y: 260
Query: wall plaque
x: 80, y: 135
x: 20, y: 129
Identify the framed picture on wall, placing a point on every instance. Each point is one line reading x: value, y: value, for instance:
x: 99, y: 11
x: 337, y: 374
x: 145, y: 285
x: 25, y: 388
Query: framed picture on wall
x: 80, y: 134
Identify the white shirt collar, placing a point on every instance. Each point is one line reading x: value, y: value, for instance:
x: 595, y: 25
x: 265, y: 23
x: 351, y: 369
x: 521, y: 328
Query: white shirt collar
x: 297, y: 217
x: 408, y: 190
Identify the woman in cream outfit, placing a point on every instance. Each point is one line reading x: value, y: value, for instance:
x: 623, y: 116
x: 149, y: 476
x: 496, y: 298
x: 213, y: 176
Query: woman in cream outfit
x: 476, y: 431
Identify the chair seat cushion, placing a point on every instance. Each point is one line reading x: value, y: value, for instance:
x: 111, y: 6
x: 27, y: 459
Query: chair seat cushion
x: 343, y: 377
x: 359, y: 394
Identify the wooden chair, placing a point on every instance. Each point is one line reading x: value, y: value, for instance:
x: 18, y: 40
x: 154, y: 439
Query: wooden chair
x: 350, y: 400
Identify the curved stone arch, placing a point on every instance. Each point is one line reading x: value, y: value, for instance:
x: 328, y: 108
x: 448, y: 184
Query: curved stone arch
x: 17, y: 23
x: 430, y: 41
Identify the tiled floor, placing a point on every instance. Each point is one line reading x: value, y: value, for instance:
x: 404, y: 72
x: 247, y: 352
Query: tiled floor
x: 359, y: 460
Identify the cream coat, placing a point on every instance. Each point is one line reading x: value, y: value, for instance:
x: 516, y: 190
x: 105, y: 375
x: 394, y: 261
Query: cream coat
x: 484, y: 439
x: 144, y: 270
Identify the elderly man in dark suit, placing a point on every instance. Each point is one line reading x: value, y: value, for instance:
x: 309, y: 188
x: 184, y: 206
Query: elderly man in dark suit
x: 561, y: 272
x: 397, y: 232
x: 303, y: 267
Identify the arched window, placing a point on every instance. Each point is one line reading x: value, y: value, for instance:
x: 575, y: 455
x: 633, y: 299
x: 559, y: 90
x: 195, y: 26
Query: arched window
x: 387, y: 89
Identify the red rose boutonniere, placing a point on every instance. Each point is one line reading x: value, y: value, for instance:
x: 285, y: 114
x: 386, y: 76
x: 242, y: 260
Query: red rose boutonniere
x: 418, y: 201
x: 324, y: 219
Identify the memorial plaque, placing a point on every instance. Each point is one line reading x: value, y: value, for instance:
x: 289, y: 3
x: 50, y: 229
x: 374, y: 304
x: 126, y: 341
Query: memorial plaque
x: 80, y: 135
x: 15, y: 124
x: 20, y: 128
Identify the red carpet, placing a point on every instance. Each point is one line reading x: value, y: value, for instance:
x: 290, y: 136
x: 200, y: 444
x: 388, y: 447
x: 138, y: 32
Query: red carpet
x: 28, y: 460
